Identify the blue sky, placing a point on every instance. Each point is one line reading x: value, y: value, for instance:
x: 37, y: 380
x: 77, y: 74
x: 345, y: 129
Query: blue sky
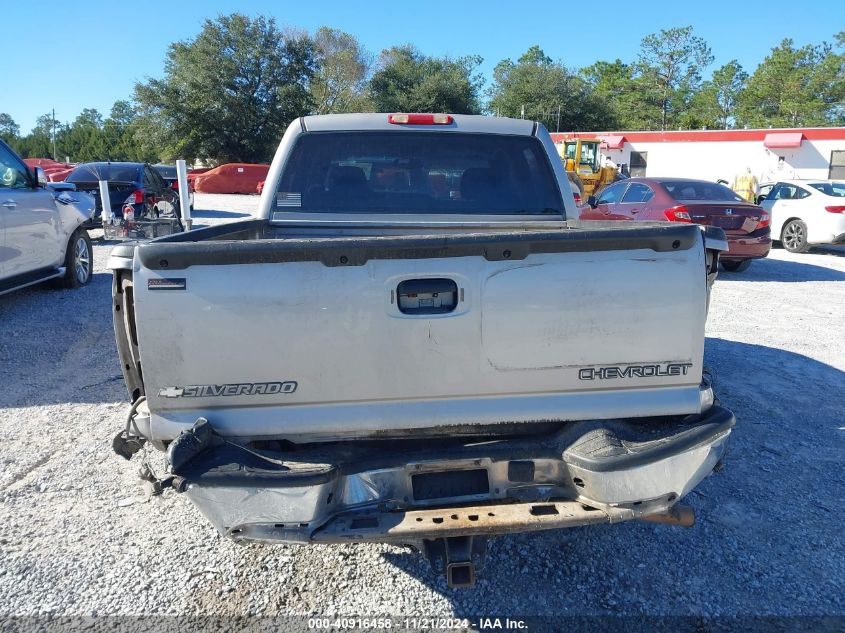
x: 72, y: 55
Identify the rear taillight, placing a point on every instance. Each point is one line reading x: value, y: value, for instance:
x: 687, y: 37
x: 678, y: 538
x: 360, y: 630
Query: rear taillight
x: 175, y: 185
x: 764, y: 221
x: 835, y: 209
x: 577, y: 197
x: 678, y: 214
x: 139, y: 196
x: 420, y: 119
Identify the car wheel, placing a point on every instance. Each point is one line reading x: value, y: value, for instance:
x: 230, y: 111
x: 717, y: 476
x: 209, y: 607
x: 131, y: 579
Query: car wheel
x: 794, y: 237
x: 736, y: 266
x: 79, y: 260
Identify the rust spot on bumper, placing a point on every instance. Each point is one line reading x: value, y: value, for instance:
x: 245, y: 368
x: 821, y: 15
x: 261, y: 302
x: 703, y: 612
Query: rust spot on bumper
x: 414, y: 525
x: 682, y: 516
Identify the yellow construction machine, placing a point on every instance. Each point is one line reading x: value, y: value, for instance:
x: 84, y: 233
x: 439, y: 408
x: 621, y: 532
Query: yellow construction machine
x: 580, y: 156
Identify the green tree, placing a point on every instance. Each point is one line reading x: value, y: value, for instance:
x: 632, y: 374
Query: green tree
x: 123, y: 112
x: 670, y: 63
x: 229, y: 93
x: 45, y: 124
x: 831, y: 80
x: 538, y: 88
x: 83, y: 140
x: 408, y: 81
x: 39, y: 142
x: 796, y: 87
x: 117, y: 132
x: 339, y: 83
x: 633, y: 106
x: 9, y: 130
x: 122, y: 137
x: 715, y: 104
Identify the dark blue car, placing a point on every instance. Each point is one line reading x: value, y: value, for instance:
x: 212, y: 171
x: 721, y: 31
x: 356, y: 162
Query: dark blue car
x: 130, y: 184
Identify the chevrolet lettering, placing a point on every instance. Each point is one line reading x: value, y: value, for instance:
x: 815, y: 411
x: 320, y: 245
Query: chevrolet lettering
x: 634, y: 371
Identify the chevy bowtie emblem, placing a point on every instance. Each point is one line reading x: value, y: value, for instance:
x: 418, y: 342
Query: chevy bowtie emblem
x: 170, y: 392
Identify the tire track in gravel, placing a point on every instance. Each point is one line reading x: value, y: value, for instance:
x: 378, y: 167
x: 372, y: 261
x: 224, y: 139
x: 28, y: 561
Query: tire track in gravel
x: 21, y: 476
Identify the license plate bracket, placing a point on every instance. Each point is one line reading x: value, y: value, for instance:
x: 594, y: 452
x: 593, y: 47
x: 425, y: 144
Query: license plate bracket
x: 448, y: 484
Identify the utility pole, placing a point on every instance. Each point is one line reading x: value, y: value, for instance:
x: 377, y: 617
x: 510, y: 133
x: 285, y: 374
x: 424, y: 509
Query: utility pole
x: 53, y: 127
x: 522, y: 114
x: 557, y: 127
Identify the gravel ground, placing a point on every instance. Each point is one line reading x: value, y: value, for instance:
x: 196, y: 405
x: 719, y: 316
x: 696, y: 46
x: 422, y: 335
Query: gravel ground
x: 79, y: 537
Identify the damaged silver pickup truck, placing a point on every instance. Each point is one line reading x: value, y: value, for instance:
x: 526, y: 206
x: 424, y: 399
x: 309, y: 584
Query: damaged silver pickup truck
x: 413, y: 344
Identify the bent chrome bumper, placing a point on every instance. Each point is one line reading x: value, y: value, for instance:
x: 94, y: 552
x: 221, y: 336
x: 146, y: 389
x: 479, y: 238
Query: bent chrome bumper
x: 403, y: 491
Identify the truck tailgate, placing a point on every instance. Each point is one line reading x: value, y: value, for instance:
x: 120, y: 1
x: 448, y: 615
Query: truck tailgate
x: 344, y: 337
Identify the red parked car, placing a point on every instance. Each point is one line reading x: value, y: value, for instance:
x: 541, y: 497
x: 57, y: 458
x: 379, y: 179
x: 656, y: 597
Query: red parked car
x: 54, y: 170
x: 58, y: 175
x: 747, y: 226
x: 231, y: 178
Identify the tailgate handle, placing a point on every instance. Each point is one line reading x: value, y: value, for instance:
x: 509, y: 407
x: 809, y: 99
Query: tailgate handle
x: 427, y: 296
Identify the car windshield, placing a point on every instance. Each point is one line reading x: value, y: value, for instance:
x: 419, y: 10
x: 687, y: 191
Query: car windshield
x: 691, y: 190
x: 94, y: 172
x: 418, y: 172
x: 835, y: 189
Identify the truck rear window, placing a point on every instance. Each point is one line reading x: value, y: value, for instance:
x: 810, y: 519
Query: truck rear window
x: 418, y: 172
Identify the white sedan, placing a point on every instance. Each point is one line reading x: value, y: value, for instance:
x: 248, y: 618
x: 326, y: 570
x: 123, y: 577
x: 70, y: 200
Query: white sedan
x: 807, y: 212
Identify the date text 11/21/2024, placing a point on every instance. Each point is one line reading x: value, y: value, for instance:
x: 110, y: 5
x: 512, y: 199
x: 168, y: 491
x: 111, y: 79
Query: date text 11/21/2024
x: 416, y: 623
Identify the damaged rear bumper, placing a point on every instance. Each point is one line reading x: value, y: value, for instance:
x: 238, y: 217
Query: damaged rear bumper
x: 748, y: 246
x: 407, y: 491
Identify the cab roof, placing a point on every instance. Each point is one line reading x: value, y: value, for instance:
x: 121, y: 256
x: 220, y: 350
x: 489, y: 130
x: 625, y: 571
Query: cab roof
x: 468, y: 123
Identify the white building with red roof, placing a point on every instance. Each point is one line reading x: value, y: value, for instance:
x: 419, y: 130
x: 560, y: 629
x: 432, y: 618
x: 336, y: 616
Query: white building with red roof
x: 772, y: 154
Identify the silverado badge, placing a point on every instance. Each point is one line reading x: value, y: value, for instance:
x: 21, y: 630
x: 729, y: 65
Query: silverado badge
x: 233, y: 389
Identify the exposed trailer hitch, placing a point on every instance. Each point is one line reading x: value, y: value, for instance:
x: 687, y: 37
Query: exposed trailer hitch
x: 459, y: 557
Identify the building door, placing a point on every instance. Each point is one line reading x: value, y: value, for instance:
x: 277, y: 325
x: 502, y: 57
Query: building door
x: 837, y: 165
x: 638, y: 164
